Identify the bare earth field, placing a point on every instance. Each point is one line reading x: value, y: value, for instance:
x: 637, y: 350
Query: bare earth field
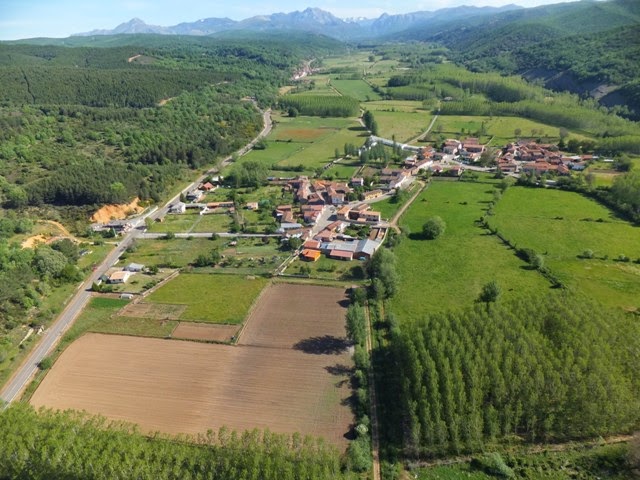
x: 292, y: 315
x: 153, y: 310
x: 187, y: 387
x: 204, y: 331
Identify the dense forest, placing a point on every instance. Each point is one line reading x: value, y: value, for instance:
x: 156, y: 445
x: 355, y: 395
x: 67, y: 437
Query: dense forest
x: 71, y: 445
x: 82, y: 126
x: 539, y: 369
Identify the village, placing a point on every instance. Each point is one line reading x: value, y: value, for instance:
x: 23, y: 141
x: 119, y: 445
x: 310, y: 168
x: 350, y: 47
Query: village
x: 337, y: 218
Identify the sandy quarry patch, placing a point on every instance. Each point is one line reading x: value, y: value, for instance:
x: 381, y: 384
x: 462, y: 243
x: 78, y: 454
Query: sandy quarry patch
x: 116, y: 212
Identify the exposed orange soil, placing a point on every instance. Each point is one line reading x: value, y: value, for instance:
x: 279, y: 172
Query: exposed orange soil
x: 111, y: 212
x: 35, y: 240
x: 188, y: 387
x: 205, y: 331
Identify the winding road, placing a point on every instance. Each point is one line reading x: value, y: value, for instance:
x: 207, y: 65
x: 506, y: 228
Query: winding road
x: 50, y: 338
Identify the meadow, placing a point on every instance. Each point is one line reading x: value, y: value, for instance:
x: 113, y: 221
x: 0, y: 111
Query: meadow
x: 573, y: 224
x: 210, y: 298
x: 356, y: 88
x: 450, y: 271
x: 177, y: 252
x: 498, y: 130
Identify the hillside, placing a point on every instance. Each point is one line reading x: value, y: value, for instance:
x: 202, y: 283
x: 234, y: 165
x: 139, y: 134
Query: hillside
x: 589, y: 48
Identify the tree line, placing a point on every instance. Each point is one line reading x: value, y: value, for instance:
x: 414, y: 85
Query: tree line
x: 321, y: 106
x: 44, y: 445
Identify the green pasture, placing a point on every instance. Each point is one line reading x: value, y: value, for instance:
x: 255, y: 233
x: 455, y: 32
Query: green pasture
x: 176, y: 223
x: 356, y: 88
x: 449, y: 272
x: 177, y: 252
x: 404, y: 125
x: 212, y: 222
x: 498, y: 130
x: 561, y: 226
x: 322, y: 151
x: 345, y: 170
x: 211, y: 298
x: 101, y: 316
x: 387, y: 207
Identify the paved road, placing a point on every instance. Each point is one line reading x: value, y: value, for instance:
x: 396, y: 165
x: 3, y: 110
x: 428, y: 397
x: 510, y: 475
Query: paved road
x: 51, y: 336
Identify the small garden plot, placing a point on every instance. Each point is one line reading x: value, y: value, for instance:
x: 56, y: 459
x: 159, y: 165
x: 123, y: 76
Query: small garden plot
x: 205, y: 332
x: 210, y: 298
x: 107, y: 315
x: 153, y: 310
x: 328, y: 269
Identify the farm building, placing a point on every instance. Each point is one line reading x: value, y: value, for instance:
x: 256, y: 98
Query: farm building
x: 341, y: 255
x: 120, y: 276
x: 310, y: 255
x: 134, y: 267
x: 179, y: 207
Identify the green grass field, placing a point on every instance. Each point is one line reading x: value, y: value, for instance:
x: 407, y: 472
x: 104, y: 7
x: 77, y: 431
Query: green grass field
x: 404, y: 125
x: 572, y: 224
x: 357, y: 89
x: 211, y: 298
x: 178, y: 252
x: 500, y: 130
x: 449, y: 272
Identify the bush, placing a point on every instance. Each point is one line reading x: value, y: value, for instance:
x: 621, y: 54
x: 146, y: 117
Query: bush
x: 433, y: 228
x: 493, y: 464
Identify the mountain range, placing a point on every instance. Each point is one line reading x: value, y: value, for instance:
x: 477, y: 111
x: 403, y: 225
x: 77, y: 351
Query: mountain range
x: 311, y: 20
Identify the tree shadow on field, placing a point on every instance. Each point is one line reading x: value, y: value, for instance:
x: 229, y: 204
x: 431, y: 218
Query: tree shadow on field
x: 344, y: 303
x: 325, y: 345
x: 339, y: 370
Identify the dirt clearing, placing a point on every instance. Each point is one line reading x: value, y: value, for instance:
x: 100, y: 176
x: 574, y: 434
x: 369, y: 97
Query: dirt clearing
x: 205, y: 331
x: 118, y: 212
x: 158, y: 311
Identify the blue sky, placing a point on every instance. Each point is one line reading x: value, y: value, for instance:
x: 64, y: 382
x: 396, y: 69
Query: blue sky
x: 61, y: 18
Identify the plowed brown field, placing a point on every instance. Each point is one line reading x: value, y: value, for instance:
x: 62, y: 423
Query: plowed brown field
x: 185, y: 387
x: 205, y: 331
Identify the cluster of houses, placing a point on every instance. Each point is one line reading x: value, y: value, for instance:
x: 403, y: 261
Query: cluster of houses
x: 337, y: 246
x: 531, y: 157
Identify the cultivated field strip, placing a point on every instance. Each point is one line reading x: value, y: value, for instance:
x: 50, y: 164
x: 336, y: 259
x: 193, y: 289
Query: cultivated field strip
x: 301, y: 384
